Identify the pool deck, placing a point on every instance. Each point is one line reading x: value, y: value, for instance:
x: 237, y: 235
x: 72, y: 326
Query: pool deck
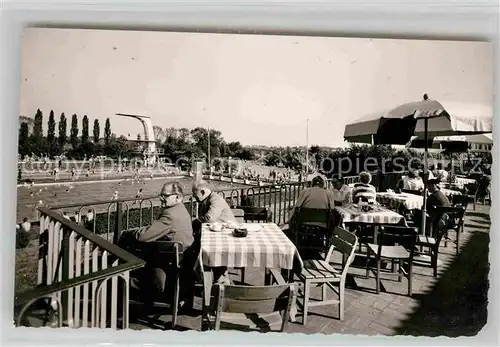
x: 452, y: 304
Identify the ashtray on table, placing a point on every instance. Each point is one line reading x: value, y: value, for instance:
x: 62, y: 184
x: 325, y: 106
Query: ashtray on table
x: 240, y: 232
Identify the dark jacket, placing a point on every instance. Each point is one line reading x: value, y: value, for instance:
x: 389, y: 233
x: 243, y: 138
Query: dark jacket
x: 437, y: 199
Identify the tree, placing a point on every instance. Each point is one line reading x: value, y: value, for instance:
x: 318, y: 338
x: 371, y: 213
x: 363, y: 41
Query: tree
x: 37, y: 143
x: 52, y: 145
x: 51, y: 132
x: 160, y: 134
x: 24, y: 142
x: 85, y: 129
x: 97, y: 131
x: 107, y: 132
x: 74, y: 132
x: 37, y: 128
x: 233, y: 149
x: 62, y: 130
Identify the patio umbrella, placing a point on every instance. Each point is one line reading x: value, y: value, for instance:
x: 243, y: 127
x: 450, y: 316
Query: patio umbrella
x: 426, y: 118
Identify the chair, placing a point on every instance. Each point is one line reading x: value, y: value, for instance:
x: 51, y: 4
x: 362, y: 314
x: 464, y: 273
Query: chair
x: 472, y: 190
x: 167, y: 255
x: 239, y: 215
x: 460, y: 200
x: 256, y: 214
x: 456, y: 223
x: 311, y: 230
x: 433, y: 243
x: 395, y: 243
x: 322, y: 273
x: 260, y: 304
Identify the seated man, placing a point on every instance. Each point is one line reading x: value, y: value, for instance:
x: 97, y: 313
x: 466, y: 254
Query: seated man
x: 212, y: 208
x: 316, y: 197
x: 435, y: 199
x: 174, y: 224
x: 436, y: 196
x: 364, y: 191
x: 341, y: 192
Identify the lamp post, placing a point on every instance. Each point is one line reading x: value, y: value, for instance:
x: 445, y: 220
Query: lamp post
x: 307, y: 147
x: 209, y: 163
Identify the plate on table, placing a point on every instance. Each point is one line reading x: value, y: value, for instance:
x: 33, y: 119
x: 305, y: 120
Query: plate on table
x: 215, y: 226
x: 253, y: 227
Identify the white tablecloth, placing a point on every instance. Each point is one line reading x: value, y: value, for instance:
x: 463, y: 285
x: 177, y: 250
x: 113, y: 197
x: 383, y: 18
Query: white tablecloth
x: 397, y: 201
x: 449, y: 192
x: 460, y: 182
x: 269, y: 247
x: 351, y: 214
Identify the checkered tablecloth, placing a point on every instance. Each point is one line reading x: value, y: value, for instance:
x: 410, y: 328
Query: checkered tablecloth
x: 403, y: 200
x: 460, y: 182
x: 449, y: 192
x: 269, y: 247
x: 351, y: 214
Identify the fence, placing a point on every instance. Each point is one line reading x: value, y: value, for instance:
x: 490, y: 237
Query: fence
x: 112, y: 216
x: 82, y: 278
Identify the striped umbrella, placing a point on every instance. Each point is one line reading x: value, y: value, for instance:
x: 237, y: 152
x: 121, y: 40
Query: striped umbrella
x: 426, y: 118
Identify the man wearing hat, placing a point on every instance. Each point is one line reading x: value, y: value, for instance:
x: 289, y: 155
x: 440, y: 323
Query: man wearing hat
x: 436, y: 196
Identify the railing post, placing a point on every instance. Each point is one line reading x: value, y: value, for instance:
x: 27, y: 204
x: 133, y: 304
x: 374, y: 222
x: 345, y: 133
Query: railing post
x: 118, y: 223
x: 65, y: 275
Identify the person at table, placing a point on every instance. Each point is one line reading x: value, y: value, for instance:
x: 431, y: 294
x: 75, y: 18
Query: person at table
x: 212, y: 208
x: 363, y: 190
x: 315, y: 197
x: 174, y: 224
x: 441, y: 174
x: 341, y: 192
x: 436, y: 197
x: 412, y: 181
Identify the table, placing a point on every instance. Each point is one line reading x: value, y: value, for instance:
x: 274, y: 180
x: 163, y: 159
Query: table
x: 400, y: 201
x: 460, y: 182
x: 269, y: 247
x: 350, y: 214
x: 449, y: 192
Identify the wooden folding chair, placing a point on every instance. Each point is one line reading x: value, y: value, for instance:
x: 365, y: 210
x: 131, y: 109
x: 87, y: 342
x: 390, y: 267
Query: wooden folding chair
x: 261, y: 306
x: 321, y: 272
x: 395, y: 243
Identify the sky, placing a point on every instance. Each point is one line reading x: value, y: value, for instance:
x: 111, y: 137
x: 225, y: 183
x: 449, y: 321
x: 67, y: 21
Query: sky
x: 255, y: 89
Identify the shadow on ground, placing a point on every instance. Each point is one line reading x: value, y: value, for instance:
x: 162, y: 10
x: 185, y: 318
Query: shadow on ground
x: 457, y: 304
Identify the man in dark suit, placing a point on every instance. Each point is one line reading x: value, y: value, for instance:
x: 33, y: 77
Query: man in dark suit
x: 436, y: 196
x: 174, y: 224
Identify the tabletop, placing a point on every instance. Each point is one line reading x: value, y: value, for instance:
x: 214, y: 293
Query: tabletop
x: 450, y: 192
x: 269, y: 247
x: 407, y: 200
x: 350, y: 214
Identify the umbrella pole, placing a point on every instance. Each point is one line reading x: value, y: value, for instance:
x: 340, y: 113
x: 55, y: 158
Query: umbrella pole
x: 426, y: 176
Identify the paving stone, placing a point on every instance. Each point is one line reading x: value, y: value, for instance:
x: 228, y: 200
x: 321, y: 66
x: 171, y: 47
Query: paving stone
x: 381, y: 304
x: 377, y: 329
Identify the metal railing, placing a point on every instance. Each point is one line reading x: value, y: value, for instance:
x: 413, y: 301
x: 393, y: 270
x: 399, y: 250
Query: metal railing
x: 110, y: 217
x: 75, y: 267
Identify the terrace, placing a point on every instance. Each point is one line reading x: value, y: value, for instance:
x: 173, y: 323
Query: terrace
x: 100, y: 284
